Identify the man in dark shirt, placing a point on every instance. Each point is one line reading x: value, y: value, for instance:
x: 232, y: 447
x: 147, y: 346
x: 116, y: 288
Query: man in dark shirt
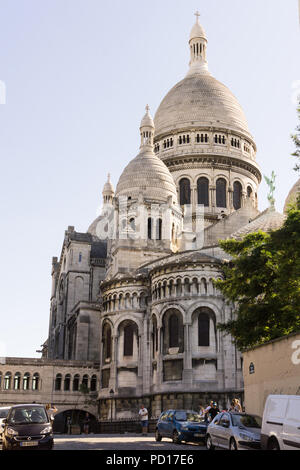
x: 213, y: 411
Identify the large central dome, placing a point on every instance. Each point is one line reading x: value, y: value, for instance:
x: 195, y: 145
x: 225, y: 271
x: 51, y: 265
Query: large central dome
x: 199, y: 100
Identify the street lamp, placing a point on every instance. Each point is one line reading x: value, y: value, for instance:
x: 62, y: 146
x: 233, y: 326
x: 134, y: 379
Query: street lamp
x: 111, y: 393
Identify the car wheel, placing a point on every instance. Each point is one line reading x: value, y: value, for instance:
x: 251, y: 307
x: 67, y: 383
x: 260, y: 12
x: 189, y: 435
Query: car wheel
x: 176, y: 437
x: 273, y: 444
x: 158, y: 437
x: 232, y: 444
x: 209, y: 444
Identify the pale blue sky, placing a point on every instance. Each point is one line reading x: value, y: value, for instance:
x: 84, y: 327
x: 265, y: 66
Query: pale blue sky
x: 78, y: 74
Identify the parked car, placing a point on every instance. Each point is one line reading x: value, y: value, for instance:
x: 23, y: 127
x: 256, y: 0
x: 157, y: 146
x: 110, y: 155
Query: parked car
x: 27, y: 427
x: 281, y: 423
x: 181, y: 425
x: 3, y: 414
x: 234, y: 431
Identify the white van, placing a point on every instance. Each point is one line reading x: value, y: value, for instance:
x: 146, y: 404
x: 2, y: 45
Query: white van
x: 281, y: 423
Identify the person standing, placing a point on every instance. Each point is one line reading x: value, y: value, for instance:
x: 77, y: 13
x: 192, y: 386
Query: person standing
x: 51, y: 410
x: 69, y: 424
x: 86, y: 423
x: 143, y: 413
x: 213, y: 411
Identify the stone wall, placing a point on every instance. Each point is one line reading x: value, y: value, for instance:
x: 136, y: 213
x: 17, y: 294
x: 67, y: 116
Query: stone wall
x: 273, y: 368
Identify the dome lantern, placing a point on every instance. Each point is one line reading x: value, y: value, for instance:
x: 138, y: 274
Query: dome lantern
x: 108, y: 191
x: 147, y: 130
x: 198, y: 48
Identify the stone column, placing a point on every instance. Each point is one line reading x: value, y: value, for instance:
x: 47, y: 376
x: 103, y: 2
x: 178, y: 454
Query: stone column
x: 187, y: 375
x: 113, y: 383
x: 159, y: 357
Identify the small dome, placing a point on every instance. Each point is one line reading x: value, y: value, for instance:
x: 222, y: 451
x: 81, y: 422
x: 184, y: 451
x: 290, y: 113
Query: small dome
x: 108, y: 187
x: 146, y: 174
x: 147, y: 120
x: 93, y: 227
x: 197, y: 32
x: 292, y: 196
x: 266, y: 222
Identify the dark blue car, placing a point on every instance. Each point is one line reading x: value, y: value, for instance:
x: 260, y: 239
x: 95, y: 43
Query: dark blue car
x: 181, y: 426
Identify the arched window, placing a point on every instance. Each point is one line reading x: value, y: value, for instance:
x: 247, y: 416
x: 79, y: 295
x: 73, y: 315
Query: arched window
x: 67, y: 383
x: 85, y: 382
x: 203, y: 329
x: 158, y: 229
x: 7, y: 381
x: 154, y: 336
x: 221, y: 192
x: 173, y: 331
x: 149, y: 228
x: 185, y: 191
x: 76, y: 383
x: 128, y: 340
x: 202, y: 187
x: 107, y: 341
x: 26, y: 379
x: 237, y: 195
x: 132, y: 224
x: 58, y: 380
x: 93, y: 383
x: 80, y: 257
x: 35, y: 381
x: 249, y: 191
x: 17, y: 381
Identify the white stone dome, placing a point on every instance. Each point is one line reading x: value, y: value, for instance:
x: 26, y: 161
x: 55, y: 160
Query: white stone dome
x: 197, y: 31
x: 292, y: 196
x: 199, y: 100
x: 147, y: 175
x: 267, y: 221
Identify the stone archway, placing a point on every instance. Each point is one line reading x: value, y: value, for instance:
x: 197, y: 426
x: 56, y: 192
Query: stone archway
x: 77, y: 417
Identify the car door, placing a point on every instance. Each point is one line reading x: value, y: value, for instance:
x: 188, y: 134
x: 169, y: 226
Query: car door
x: 170, y: 423
x: 224, y: 431
x: 214, y: 429
x: 162, y: 427
x: 291, y: 425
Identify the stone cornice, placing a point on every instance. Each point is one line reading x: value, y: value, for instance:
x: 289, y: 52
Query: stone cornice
x: 221, y: 162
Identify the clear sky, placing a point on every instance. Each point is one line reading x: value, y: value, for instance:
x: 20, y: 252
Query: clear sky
x: 78, y: 74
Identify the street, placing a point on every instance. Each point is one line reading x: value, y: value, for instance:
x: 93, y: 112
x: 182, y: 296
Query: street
x: 119, y: 442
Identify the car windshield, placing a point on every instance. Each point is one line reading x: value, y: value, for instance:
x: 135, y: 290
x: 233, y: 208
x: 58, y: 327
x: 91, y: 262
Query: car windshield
x: 188, y: 416
x: 28, y: 415
x: 248, y: 421
x: 4, y: 413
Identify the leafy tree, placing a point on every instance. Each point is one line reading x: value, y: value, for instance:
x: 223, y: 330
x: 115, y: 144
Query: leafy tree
x: 263, y: 281
x: 296, y: 140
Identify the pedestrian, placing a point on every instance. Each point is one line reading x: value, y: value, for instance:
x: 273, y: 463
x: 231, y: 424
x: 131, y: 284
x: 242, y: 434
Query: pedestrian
x: 201, y: 411
x: 206, y: 411
x: 143, y: 413
x: 213, y: 411
x: 86, y: 423
x: 69, y: 424
x: 235, y: 406
x: 51, y: 410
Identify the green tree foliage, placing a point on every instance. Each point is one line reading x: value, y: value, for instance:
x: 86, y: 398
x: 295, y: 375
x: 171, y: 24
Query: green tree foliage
x: 263, y: 281
x: 296, y: 140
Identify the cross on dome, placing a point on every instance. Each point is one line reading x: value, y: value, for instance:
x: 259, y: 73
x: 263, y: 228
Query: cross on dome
x: 197, y: 14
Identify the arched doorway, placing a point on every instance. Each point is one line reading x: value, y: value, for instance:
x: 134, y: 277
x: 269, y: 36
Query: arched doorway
x: 77, y: 416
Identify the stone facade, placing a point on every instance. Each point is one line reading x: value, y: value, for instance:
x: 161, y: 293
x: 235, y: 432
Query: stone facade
x: 263, y: 379
x: 60, y: 382
x: 134, y: 296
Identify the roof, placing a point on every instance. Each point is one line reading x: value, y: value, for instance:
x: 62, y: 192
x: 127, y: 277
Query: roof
x: 267, y: 221
x: 200, y: 100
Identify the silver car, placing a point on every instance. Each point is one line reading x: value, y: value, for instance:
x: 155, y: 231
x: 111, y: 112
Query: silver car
x: 3, y: 414
x: 234, y: 431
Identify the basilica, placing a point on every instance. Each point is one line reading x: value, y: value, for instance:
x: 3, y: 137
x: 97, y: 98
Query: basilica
x: 134, y: 295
